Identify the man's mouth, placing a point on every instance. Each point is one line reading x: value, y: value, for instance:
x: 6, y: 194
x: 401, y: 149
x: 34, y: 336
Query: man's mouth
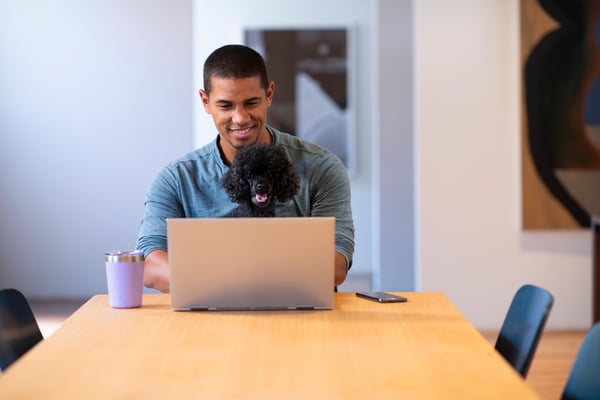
x: 242, y: 133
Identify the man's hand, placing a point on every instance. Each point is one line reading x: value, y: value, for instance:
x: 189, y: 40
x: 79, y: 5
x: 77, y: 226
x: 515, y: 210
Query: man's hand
x: 156, y: 271
x: 341, y: 269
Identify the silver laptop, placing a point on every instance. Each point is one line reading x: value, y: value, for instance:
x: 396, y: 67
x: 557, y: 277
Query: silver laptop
x: 251, y: 263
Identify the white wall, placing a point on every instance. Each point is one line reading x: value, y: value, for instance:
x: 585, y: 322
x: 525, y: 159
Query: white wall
x: 394, y: 187
x: 468, y: 101
x: 95, y: 97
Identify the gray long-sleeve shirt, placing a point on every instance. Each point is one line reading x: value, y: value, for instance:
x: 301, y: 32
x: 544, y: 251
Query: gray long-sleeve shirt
x: 191, y: 188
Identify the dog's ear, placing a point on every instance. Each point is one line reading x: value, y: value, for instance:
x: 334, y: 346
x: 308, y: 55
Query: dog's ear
x: 236, y: 186
x: 286, y: 181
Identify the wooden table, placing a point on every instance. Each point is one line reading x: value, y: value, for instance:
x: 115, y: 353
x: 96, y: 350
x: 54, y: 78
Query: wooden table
x: 422, y: 349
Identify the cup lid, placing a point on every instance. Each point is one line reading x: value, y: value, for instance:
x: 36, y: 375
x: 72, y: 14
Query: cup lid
x: 124, y: 255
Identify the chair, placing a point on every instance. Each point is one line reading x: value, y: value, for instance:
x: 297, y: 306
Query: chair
x: 523, y: 325
x: 584, y: 380
x: 19, y: 330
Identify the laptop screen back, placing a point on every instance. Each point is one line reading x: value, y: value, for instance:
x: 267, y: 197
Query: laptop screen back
x: 251, y: 263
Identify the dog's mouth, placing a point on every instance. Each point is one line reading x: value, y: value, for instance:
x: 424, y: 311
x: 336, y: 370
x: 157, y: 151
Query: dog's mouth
x: 261, y: 198
x: 261, y: 194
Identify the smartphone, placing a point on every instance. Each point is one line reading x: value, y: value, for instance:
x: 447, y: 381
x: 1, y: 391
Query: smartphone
x: 382, y: 297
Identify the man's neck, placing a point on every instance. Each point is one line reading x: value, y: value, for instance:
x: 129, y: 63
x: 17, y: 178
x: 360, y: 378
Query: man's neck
x: 266, y: 137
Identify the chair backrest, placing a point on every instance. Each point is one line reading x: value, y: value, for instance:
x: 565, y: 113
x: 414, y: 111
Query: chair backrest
x: 523, y: 325
x: 19, y: 330
x: 584, y: 380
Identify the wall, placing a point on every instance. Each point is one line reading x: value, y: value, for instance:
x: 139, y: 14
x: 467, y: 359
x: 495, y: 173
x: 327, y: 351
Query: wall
x: 215, y: 26
x: 468, y: 102
x: 95, y: 97
x: 395, y: 260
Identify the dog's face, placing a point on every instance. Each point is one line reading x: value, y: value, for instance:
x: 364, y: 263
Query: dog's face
x: 261, y: 190
x: 259, y: 176
x: 255, y: 167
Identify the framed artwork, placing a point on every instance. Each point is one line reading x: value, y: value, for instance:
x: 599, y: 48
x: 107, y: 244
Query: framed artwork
x: 560, y: 169
x: 312, y: 71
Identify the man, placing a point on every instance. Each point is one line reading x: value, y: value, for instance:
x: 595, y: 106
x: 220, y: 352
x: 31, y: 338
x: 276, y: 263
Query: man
x: 237, y: 94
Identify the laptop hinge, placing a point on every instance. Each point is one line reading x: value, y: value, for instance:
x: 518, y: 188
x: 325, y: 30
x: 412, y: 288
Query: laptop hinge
x: 304, y: 307
x: 199, y: 308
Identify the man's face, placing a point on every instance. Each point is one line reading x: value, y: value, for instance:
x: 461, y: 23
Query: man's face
x: 239, y: 110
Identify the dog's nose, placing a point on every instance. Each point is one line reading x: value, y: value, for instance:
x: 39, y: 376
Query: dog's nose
x: 261, y: 188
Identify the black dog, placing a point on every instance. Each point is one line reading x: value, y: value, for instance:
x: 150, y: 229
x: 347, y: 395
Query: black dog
x: 260, y: 175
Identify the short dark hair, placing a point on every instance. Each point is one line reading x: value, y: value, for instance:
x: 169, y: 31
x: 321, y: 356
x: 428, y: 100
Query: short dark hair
x: 235, y: 61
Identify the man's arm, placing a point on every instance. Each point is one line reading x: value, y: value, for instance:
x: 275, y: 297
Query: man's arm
x: 156, y: 271
x: 332, y: 187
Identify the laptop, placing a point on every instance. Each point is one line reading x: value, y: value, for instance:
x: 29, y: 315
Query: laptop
x: 251, y: 263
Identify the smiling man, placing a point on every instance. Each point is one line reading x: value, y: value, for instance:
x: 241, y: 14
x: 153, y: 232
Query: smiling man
x: 237, y: 94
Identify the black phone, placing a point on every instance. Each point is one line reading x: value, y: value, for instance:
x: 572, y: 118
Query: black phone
x: 382, y: 297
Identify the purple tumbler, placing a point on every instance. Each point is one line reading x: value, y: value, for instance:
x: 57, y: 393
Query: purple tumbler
x: 125, y: 277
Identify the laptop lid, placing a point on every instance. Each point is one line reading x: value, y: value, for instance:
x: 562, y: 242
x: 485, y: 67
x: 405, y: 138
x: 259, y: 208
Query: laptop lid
x: 251, y: 263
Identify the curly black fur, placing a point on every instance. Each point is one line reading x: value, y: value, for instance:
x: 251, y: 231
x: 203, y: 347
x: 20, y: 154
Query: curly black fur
x: 260, y: 175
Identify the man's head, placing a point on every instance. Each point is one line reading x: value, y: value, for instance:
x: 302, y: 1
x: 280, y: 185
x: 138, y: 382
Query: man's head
x: 234, y: 61
x: 237, y: 94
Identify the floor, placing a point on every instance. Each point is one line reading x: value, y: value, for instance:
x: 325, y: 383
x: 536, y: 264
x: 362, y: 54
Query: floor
x: 50, y: 314
x: 552, y: 362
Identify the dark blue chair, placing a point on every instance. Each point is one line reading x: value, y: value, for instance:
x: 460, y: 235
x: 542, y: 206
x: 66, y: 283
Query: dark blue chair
x: 584, y: 380
x: 523, y: 325
x: 19, y: 330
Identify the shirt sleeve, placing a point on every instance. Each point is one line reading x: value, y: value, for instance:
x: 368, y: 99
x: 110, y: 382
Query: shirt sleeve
x: 162, y: 202
x: 331, y: 197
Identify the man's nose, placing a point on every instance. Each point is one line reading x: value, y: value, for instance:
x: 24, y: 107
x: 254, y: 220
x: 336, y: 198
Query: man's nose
x: 240, y: 116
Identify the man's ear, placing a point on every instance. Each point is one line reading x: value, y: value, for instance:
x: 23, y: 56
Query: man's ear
x: 270, y: 91
x: 204, y: 98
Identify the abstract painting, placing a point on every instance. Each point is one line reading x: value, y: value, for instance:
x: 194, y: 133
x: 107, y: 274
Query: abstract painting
x: 560, y: 51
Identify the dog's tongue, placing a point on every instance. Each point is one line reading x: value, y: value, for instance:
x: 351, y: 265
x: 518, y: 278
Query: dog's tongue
x: 261, y: 198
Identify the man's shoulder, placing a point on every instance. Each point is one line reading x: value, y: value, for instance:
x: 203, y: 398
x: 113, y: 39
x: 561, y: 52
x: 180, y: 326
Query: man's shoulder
x: 202, y: 155
x: 204, y: 161
x: 294, y: 143
x: 300, y: 149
